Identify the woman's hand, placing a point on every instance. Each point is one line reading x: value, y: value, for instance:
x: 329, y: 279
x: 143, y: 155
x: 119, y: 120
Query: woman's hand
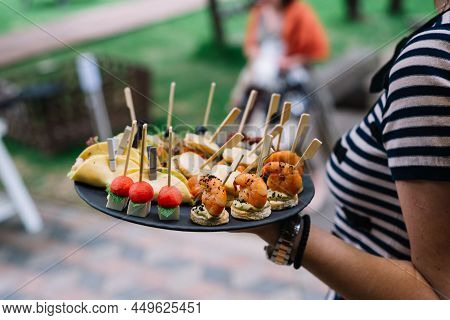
x: 269, y: 233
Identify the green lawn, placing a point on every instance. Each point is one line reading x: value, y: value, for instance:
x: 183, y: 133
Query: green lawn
x: 40, y: 11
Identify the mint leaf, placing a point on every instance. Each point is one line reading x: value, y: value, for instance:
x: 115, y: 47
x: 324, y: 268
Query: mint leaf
x: 114, y: 197
x: 166, y: 212
x: 135, y: 204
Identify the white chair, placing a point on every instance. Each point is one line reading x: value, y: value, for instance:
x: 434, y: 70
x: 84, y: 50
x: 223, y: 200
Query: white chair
x: 18, y: 199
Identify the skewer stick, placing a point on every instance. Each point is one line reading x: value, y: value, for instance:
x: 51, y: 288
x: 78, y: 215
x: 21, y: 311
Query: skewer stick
x: 265, y: 150
x: 229, y: 119
x: 302, y: 124
x: 171, y: 98
x: 285, y: 114
x: 208, y: 106
x: 169, y: 163
x: 124, y: 141
x: 143, y: 143
x: 248, y: 108
x: 275, y: 132
x: 129, y: 102
x: 309, y: 152
x: 251, y: 166
x: 130, y: 145
x: 233, y: 167
x: 273, y: 108
x: 233, y: 141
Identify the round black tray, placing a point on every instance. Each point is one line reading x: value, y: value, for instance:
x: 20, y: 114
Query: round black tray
x: 96, y: 198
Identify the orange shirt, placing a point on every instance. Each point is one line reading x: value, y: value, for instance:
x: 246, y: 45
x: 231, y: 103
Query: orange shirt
x: 302, y: 32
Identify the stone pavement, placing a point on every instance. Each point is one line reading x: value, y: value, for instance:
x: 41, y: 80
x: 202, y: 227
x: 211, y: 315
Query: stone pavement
x: 129, y: 261
x: 87, y: 25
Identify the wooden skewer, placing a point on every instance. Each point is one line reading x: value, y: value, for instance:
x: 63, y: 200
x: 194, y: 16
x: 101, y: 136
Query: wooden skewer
x: 285, y: 114
x: 275, y: 132
x: 129, y: 102
x: 233, y: 167
x: 265, y: 150
x: 248, y: 108
x: 273, y: 107
x: 310, y: 151
x: 169, y: 163
x: 130, y: 145
x: 233, y: 141
x: 208, y: 106
x: 251, y: 166
x: 302, y: 124
x: 171, y: 98
x: 143, y: 143
x: 229, y: 119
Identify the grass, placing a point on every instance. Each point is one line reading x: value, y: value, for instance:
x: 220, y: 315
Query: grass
x: 181, y: 50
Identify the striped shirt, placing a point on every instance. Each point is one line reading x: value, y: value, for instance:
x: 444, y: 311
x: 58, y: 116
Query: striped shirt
x: 405, y: 136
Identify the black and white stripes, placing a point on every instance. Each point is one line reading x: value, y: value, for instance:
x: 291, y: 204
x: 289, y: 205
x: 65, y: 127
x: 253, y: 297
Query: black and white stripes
x: 406, y: 136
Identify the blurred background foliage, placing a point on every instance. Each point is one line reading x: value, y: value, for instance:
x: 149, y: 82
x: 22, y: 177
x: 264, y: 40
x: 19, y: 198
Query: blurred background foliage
x: 183, y: 50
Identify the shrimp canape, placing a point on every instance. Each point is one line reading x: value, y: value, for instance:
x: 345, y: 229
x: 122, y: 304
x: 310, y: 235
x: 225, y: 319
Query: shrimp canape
x: 214, y: 198
x: 252, y: 201
x: 284, y: 182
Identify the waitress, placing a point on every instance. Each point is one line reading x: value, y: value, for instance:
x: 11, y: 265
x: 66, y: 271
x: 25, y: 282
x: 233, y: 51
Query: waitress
x: 390, y: 177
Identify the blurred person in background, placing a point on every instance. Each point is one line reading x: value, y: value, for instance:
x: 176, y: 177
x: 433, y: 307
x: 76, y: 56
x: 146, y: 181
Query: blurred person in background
x: 283, y: 38
x: 390, y: 177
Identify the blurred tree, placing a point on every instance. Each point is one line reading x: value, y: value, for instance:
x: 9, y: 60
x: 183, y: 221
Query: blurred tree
x: 396, y: 7
x: 353, y: 10
x: 353, y: 13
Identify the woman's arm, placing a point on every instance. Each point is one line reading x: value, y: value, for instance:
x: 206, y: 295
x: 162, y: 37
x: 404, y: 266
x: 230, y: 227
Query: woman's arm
x: 359, y: 275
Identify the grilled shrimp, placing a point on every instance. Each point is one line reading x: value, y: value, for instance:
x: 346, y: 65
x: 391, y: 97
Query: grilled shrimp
x: 214, y: 196
x: 194, y: 187
x: 285, y: 156
x: 252, y: 189
x: 283, y: 177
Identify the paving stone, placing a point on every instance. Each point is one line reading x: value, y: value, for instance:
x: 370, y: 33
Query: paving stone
x: 133, y: 262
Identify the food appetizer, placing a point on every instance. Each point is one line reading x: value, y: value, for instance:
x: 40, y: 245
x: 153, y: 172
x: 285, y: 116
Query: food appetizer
x: 252, y: 201
x: 212, y: 211
x: 118, y: 190
x: 189, y: 164
x: 118, y: 193
x: 92, y: 166
x: 284, y: 170
x: 201, y: 142
x: 194, y: 180
x: 141, y: 193
x: 169, y: 198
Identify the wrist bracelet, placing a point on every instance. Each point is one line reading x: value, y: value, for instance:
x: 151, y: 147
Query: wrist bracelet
x: 304, y: 239
x: 282, y: 252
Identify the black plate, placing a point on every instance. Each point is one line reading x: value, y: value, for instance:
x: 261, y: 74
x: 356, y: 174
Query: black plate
x: 96, y: 198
